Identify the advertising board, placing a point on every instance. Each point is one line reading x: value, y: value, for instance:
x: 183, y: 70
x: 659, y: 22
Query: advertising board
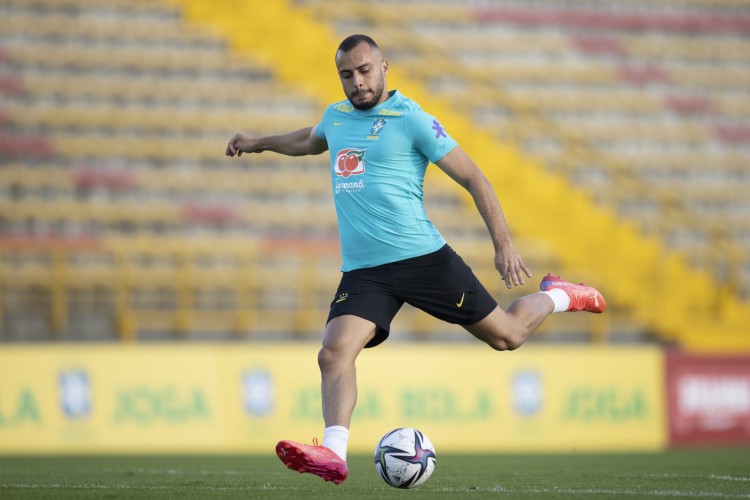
x: 709, y: 399
x: 231, y: 398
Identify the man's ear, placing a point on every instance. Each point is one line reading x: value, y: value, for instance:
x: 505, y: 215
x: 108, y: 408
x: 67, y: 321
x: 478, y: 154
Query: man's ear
x: 385, y: 67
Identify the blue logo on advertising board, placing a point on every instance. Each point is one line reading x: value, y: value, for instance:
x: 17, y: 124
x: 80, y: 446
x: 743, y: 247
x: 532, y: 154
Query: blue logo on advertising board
x: 75, y: 394
x: 257, y: 392
x: 527, y: 391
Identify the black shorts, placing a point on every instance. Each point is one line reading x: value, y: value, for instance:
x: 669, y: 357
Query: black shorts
x: 439, y: 283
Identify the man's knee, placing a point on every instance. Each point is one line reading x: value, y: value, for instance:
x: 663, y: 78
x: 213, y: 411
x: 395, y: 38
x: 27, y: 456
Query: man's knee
x: 335, y: 356
x: 498, y: 332
x: 327, y: 357
x: 504, y: 342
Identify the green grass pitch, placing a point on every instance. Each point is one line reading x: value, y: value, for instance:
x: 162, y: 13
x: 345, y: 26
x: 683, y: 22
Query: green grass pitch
x: 674, y: 474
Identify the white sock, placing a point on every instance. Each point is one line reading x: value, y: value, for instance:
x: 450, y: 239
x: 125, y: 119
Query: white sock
x: 336, y: 438
x: 560, y: 298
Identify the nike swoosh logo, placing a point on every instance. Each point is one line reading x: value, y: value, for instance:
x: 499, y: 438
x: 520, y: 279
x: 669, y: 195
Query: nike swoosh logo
x: 336, y: 124
x: 459, y: 304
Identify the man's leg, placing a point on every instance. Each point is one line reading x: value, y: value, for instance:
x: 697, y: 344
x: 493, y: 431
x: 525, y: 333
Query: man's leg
x: 345, y: 338
x: 507, y: 330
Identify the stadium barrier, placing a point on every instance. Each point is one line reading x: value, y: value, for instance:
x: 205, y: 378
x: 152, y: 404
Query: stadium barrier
x: 242, y: 398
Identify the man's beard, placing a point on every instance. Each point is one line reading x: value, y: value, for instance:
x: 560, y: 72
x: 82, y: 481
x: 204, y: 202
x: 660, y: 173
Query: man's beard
x: 365, y: 105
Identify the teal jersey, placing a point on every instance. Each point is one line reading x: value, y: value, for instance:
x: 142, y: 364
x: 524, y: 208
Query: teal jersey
x: 378, y: 162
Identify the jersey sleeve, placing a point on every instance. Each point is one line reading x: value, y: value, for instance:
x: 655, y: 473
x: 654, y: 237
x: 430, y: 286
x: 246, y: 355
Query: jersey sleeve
x: 319, y: 131
x: 320, y: 128
x: 429, y: 136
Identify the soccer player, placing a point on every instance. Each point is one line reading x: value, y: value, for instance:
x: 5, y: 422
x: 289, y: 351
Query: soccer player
x: 380, y: 144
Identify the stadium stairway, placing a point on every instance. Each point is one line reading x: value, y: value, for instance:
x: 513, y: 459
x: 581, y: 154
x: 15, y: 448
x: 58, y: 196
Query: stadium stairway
x: 641, y: 277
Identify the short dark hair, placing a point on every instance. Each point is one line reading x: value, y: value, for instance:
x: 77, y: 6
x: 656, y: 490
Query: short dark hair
x: 353, y: 40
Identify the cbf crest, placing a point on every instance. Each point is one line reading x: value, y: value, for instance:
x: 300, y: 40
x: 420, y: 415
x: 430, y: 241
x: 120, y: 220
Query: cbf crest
x: 527, y: 390
x: 377, y: 126
x: 75, y: 393
x: 258, y: 392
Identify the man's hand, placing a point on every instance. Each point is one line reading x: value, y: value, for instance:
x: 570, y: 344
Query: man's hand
x: 242, y: 143
x: 511, y: 267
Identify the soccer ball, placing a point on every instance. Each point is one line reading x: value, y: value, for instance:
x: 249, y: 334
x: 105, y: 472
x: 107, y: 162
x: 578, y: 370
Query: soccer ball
x: 405, y: 458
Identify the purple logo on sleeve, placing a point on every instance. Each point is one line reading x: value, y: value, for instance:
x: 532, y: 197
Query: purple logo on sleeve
x: 439, y: 130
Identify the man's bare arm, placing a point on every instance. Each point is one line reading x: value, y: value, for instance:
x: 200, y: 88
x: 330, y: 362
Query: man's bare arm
x: 301, y: 142
x: 462, y: 169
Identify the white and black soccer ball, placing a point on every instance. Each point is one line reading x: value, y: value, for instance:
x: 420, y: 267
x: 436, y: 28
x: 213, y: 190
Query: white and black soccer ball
x: 405, y: 458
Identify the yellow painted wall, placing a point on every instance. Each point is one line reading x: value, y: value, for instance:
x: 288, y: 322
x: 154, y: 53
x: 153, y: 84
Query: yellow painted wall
x: 244, y: 398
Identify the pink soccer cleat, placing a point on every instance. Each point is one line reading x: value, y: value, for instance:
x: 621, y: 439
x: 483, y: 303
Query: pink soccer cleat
x: 582, y: 297
x: 313, y: 459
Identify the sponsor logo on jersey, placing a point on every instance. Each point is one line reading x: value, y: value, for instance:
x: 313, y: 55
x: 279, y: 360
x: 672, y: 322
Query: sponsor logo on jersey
x: 388, y: 112
x: 349, y: 161
x: 439, y: 129
x: 348, y: 187
x: 344, y: 108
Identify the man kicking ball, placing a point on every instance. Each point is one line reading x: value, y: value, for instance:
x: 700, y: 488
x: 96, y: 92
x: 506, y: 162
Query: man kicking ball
x: 380, y: 144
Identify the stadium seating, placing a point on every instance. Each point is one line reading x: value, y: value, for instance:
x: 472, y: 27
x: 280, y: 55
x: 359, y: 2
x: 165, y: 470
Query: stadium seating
x: 113, y: 182
x: 115, y: 191
x: 455, y: 51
